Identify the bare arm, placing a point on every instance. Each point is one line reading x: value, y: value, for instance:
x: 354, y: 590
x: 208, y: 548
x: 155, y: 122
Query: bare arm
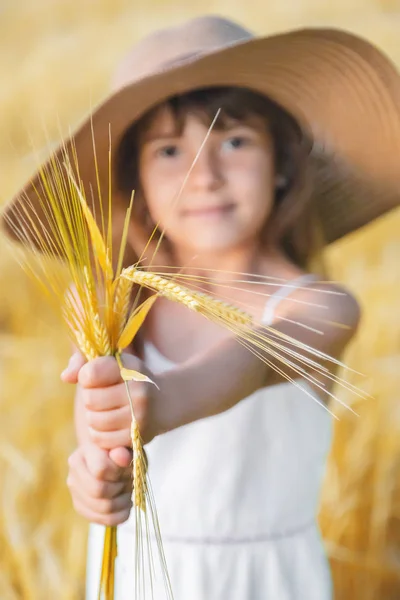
x: 220, y: 378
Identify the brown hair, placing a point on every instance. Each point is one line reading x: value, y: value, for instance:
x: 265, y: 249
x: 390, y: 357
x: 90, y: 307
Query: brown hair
x: 292, y: 224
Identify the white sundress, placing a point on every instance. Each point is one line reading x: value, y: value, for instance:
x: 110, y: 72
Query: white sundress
x: 237, y: 497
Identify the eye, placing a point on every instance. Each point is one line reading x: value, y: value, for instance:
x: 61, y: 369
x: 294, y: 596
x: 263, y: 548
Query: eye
x: 235, y: 142
x: 168, y: 151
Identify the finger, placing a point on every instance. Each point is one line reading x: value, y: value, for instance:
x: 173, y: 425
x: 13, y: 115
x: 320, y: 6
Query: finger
x: 104, y: 506
x: 114, y: 397
x: 100, y: 465
x: 107, y: 440
x: 104, y: 371
x: 81, y: 479
x: 100, y: 372
x: 122, y: 457
x: 89, y: 486
x: 105, y: 398
x: 109, y: 420
x: 108, y: 519
x: 97, y: 489
x: 76, y: 362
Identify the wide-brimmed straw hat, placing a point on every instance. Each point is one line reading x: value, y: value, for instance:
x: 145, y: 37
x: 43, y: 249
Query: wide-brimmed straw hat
x: 343, y: 92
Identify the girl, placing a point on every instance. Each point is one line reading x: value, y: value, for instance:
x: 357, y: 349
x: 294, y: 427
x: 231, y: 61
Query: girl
x: 236, y: 454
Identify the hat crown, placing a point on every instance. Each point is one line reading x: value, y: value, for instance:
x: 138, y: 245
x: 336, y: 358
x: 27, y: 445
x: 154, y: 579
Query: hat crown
x: 172, y: 46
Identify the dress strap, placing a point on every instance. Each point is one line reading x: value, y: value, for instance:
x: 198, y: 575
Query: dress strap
x: 283, y: 292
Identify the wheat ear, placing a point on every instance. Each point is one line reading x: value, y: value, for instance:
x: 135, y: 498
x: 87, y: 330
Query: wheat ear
x: 196, y: 301
x: 122, y: 296
x: 139, y: 469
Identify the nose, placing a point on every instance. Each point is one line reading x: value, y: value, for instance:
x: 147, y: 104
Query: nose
x: 206, y: 173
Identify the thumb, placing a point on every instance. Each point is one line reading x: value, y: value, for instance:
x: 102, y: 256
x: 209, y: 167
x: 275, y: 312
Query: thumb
x: 76, y: 362
x: 121, y: 456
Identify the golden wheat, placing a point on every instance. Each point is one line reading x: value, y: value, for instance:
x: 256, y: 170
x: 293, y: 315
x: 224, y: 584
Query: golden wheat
x: 93, y: 324
x: 122, y: 298
x: 85, y: 346
x: 139, y: 470
x: 194, y: 300
x: 101, y: 336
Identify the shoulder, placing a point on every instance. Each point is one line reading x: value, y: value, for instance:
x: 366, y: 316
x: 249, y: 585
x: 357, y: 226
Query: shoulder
x: 337, y: 301
x: 321, y: 313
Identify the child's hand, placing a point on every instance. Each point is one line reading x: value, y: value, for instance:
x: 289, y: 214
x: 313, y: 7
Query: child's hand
x: 101, y: 488
x: 106, y: 403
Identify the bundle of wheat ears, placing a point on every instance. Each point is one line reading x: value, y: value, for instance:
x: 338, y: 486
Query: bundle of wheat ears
x: 101, y: 307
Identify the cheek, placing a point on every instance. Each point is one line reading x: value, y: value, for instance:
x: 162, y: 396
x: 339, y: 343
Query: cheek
x: 160, y: 186
x: 254, y: 189
x: 160, y: 196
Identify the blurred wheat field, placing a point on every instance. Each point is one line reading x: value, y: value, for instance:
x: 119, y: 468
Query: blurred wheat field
x: 55, y: 63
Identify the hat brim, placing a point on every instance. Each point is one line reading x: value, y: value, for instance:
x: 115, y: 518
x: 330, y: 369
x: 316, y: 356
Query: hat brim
x: 341, y: 90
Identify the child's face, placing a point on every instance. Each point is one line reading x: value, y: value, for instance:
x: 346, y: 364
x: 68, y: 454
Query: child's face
x: 229, y: 193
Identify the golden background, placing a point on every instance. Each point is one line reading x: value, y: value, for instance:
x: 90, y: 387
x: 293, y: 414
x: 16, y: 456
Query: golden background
x: 56, y: 58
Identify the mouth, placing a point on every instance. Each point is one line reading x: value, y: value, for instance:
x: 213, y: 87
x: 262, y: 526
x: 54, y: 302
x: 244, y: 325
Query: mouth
x: 209, y: 211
